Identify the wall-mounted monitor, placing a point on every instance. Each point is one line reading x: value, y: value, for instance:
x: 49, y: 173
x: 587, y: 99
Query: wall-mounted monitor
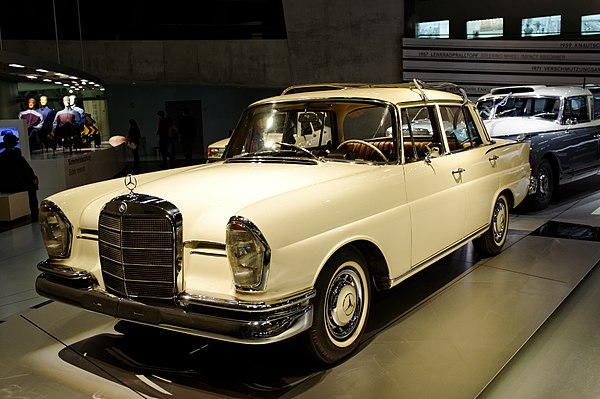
x: 433, y: 30
x: 540, y: 26
x: 484, y: 28
x: 590, y: 24
x: 16, y: 127
x: 9, y: 130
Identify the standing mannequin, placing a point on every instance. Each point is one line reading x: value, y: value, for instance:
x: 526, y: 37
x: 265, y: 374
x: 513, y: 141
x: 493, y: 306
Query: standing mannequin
x: 63, y: 124
x: 79, y: 113
x: 34, y: 123
x: 48, y: 117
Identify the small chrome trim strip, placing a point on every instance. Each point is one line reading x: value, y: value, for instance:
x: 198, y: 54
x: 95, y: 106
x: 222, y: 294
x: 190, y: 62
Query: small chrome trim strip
x: 204, y: 253
x: 196, y: 244
x: 88, y: 234
x: 206, y: 248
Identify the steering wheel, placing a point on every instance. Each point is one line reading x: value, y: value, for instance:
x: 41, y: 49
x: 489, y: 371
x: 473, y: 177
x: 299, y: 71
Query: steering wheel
x: 371, y: 146
x: 433, y: 146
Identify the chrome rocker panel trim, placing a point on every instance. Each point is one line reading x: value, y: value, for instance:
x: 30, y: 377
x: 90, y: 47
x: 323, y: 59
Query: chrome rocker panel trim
x: 232, y: 321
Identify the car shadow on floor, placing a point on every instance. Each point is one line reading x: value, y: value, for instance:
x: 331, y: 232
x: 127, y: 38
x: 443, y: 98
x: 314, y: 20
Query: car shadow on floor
x: 160, y: 363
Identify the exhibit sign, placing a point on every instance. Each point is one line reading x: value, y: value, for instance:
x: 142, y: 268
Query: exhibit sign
x: 479, y: 65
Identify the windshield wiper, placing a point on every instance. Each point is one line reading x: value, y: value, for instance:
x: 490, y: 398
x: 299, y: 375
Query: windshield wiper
x: 271, y: 151
x: 297, y: 147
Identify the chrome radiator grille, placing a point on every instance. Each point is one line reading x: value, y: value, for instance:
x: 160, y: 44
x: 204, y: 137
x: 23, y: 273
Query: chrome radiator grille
x: 139, y: 237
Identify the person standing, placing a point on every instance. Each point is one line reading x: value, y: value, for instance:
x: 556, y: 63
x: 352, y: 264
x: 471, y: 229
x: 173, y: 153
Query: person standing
x: 17, y: 175
x: 187, y: 134
x: 133, y: 143
x: 164, y: 132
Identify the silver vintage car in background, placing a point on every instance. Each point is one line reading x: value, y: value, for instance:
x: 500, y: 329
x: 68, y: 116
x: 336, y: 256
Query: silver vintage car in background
x: 559, y: 122
x: 322, y: 196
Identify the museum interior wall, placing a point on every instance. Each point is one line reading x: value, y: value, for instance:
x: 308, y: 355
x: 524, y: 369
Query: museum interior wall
x: 338, y: 40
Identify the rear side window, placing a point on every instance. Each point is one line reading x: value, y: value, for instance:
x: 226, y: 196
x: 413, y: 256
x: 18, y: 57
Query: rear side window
x: 420, y: 133
x: 460, y: 128
x: 576, y: 110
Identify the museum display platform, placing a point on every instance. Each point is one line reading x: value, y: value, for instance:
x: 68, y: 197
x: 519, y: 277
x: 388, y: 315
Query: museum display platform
x: 62, y: 169
x: 522, y: 324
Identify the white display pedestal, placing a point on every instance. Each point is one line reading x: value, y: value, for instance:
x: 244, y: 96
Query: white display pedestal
x: 60, y: 170
x: 13, y: 206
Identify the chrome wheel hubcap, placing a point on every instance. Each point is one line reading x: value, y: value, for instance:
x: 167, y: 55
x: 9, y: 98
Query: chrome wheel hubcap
x: 499, y: 221
x: 344, y: 304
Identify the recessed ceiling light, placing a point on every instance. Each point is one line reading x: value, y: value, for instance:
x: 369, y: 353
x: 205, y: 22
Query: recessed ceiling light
x: 16, y: 65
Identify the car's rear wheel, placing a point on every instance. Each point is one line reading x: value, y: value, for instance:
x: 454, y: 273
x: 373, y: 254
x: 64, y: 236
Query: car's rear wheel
x: 544, y: 182
x: 341, y: 307
x: 491, y: 242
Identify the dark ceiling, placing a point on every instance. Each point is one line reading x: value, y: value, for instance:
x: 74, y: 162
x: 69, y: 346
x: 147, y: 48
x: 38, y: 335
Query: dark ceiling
x: 142, y: 20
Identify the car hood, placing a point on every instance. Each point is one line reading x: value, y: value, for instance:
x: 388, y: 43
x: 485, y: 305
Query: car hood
x: 207, y: 195
x: 512, y: 126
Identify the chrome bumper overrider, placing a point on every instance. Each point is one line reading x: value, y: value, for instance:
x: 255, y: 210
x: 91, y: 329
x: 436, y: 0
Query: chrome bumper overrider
x: 234, y: 321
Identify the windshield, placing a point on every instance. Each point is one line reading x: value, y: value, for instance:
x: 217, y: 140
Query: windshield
x: 511, y: 106
x: 317, y: 129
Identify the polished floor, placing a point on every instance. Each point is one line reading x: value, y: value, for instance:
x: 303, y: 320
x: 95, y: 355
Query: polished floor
x: 523, y: 324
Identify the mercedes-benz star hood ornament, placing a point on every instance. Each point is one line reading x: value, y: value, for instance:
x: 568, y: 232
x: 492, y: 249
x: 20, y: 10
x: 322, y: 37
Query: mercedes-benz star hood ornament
x: 130, y: 183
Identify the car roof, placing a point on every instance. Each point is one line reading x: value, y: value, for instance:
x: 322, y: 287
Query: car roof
x: 537, y: 90
x: 394, y: 93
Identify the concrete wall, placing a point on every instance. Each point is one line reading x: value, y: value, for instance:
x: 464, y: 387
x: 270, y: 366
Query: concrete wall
x: 336, y: 40
x: 344, y: 40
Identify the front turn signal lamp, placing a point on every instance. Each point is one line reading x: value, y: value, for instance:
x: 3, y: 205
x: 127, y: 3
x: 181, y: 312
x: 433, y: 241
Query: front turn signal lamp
x: 248, y: 254
x: 57, y: 232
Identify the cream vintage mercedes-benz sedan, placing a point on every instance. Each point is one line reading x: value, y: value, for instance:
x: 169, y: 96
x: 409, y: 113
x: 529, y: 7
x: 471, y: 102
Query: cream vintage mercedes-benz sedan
x: 325, y: 194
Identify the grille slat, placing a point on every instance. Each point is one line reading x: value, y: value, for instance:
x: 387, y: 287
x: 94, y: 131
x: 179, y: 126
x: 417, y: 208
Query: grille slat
x: 138, y: 251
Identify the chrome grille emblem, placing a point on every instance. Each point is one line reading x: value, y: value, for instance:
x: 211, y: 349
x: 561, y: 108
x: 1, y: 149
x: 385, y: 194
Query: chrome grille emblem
x: 123, y: 207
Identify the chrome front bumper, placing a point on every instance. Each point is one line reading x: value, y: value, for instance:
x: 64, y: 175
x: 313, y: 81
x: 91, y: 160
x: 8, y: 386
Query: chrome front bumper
x: 233, y: 321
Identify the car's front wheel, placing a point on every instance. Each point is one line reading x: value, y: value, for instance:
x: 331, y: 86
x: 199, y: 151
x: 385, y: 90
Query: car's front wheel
x: 341, y: 307
x: 491, y: 242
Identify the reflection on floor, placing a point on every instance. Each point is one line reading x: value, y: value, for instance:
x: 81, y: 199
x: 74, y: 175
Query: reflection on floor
x: 523, y: 324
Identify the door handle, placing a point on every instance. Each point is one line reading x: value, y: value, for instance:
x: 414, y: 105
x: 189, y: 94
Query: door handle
x: 493, y: 158
x: 459, y: 170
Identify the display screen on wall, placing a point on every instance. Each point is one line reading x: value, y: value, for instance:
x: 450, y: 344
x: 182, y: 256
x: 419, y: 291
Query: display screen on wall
x: 590, y: 24
x: 433, y: 30
x: 540, y: 26
x: 5, y: 131
x: 483, y: 28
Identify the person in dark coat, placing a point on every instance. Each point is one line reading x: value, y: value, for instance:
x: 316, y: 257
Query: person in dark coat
x: 187, y: 134
x: 165, y: 128
x: 16, y: 175
x: 133, y: 143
